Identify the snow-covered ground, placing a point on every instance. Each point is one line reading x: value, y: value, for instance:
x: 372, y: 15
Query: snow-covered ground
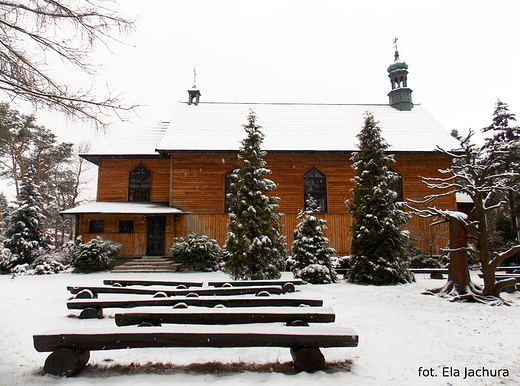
x: 404, y: 337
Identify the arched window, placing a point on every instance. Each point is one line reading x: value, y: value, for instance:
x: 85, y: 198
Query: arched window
x: 315, y: 186
x: 397, y: 186
x: 229, y: 189
x: 139, y: 184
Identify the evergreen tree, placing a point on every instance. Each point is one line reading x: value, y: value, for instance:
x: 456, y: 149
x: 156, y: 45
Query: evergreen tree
x: 25, y: 235
x: 310, y: 246
x: 254, y: 246
x: 503, y: 147
x: 4, y: 214
x: 378, y: 244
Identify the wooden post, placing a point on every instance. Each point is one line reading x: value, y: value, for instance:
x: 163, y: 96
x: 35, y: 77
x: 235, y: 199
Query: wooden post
x: 65, y: 361
x: 309, y: 359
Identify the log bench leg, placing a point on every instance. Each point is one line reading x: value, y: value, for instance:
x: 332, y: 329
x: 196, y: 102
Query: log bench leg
x: 309, y: 359
x: 66, y: 361
x: 91, y: 313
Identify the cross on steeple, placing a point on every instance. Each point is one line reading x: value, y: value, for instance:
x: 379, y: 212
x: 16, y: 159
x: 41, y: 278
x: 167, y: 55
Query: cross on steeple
x: 396, y: 52
x: 194, y: 93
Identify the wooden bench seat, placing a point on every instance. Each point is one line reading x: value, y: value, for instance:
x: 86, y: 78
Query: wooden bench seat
x: 70, y: 350
x: 166, y: 283
x: 508, y: 269
x: 251, y: 283
x: 508, y: 275
x: 210, y: 301
x: 435, y: 273
x: 200, y: 315
x: 224, y: 291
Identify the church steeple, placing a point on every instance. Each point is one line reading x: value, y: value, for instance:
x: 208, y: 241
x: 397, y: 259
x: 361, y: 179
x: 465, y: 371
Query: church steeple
x: 194, y: 93
x: 401, y: 95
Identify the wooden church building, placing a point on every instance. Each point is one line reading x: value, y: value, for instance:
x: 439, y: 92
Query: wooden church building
x: 172, y: 178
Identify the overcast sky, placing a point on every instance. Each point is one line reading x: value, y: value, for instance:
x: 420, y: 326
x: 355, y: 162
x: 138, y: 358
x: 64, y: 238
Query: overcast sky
x: 462, y: 56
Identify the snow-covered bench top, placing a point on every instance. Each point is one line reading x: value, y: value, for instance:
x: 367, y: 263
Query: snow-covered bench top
x: 176, y: 292
x: 198, y: 315
x: 249, y: 283
x: 167, y: 283
x: 202, y: 301
x: 197, y: 336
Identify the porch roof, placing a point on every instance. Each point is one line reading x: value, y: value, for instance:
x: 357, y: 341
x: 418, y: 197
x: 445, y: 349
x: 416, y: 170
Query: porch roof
x: 121, y: 208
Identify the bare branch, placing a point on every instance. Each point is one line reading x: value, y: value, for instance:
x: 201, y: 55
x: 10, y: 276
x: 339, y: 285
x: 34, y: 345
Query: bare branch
x: 31, y: 30
x: 501, y: 256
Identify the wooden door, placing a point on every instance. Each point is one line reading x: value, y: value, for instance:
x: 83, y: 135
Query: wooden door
x: 155, y: 229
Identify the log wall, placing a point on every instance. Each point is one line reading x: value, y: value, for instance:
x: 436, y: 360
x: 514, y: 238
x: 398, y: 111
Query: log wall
x: 132, y: 244
x: 197, y: 186
x: 113, y: 178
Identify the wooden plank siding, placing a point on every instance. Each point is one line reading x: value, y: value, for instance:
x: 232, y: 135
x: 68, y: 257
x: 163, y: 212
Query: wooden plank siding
x: 132, y: 244
x: 113, y: 178
x: 195, y: 183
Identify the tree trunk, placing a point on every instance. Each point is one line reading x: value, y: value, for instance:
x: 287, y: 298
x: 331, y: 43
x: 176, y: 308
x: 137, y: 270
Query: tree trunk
x: 458, y: 271
x: 487, y: 265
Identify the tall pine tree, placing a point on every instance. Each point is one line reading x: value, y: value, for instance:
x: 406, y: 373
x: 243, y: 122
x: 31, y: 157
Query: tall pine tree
x: 378, y: 244
x: 25, y: 235
x: 310, y: 246
x: 254, y: 246
x: 504, y: 147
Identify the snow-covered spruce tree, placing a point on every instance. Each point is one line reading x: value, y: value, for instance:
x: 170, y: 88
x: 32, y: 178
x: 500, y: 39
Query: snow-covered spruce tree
x: 25, y: 235
x: 504, y: 145
x: 254, y: 247
x: 310, y: 248
x: 378, y: 243
x: 4, y: 215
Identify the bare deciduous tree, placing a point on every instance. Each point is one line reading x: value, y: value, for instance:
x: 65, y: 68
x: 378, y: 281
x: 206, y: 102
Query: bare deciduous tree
x: 475, y: 172
x: 35, y: 32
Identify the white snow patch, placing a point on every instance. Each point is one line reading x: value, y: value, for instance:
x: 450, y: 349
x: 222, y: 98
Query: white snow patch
x: 400, y: 332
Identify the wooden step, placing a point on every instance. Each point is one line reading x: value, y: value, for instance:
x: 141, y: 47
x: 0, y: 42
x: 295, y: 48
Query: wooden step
x: 148, y: 264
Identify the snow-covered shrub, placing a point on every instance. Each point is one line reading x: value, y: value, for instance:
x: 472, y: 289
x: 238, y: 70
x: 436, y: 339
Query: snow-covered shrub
x: 316, y: 274
x: 340, y: 261
x: 95, y: 255
x: 421, y: 259
x: 22, y: 269
x: 6, y: 260
x: 53, y: 261
x: 197, y: 251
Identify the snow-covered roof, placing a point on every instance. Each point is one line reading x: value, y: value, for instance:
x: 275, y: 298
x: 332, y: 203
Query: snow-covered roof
x: 139, y: 143
x: 121, y: 208
x: 217, y: 126
x: 463, y: 198
x: 300, y: 127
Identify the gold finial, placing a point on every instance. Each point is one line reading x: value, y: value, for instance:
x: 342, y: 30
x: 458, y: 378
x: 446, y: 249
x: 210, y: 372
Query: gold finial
x: 194, y: 76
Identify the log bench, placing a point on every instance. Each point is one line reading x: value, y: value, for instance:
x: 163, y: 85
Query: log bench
x: 213, y: 316
x: 92, y: 291
x: 71, y: 351
x: 435, y: 273
x: 509, y: 269
x: 146, y: 283
x: 93, y: 308
x: 287, y: 285
x: 506, y: 276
